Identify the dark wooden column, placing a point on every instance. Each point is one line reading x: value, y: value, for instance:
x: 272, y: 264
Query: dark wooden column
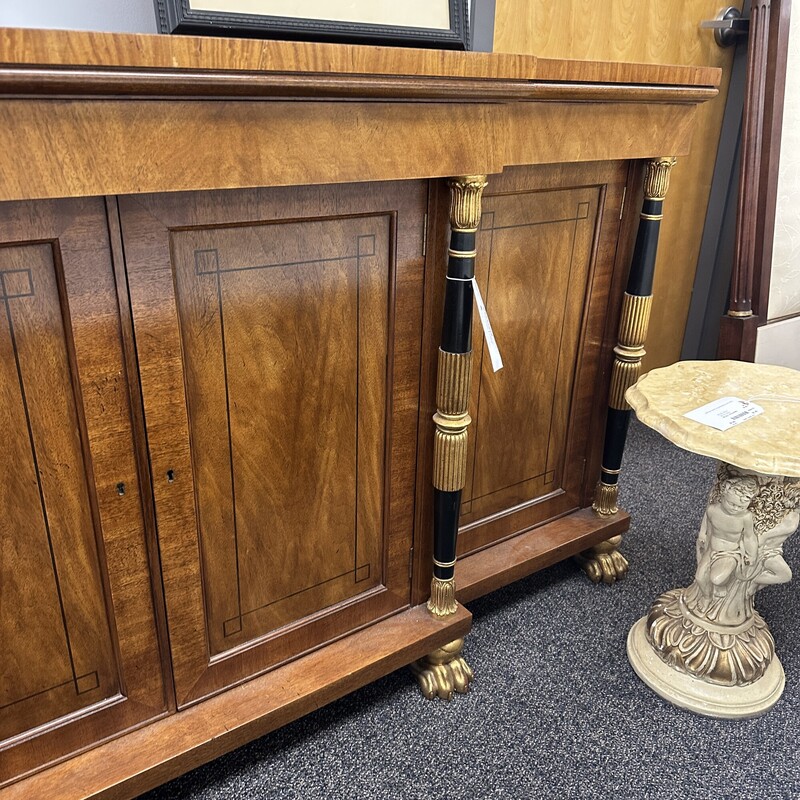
x: 758, y: 184
x: 452, y: 388
x: 633, y: 326
x: 444, y: 671
x: 604, y: 562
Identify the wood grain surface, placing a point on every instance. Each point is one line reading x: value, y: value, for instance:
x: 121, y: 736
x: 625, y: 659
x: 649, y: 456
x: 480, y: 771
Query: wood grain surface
x: 284, y: 332
x: 530, y: 245
x: 533, y: 420
x: 522, y: 555
x: 53, y: 577
x: 40, y: 47
x: 635, y: 31
x: 80, y: 657
x: 106, y: 82
x: 65, y: 91
x: 123, y: 768
x: 275, y: 332
x: 559, y: 245
x: 157, y: 145
x: 50, y: 146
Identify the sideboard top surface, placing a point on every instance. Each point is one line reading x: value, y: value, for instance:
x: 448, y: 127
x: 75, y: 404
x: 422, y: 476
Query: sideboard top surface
x: 25, y: 46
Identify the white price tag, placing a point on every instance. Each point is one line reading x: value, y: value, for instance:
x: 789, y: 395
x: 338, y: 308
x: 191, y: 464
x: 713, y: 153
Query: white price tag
x: 491, y: 342
x: 725, y: 413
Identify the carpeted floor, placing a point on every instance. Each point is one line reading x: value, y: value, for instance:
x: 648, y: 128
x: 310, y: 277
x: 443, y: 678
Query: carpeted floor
x: 555, y: 711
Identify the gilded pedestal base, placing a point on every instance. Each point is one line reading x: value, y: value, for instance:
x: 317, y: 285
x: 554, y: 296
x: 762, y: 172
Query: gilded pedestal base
x: 693, y: 694
x: 724, y: 655
x: 603, y: 562
x: 443, y: 672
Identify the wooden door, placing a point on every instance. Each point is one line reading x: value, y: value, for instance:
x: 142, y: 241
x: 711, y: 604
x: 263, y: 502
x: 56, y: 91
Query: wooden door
x: 550, y: 267
x: 546, y: 248
x: 79, y: 654
x: 278, y: 335
x: 653, y: 32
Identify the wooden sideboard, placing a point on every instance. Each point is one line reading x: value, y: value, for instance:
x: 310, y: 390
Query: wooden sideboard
x: 222, y: 274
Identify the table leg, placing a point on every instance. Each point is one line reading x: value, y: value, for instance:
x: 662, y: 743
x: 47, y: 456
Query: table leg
x: 604, y: 561
x: 445, y: 670
x: 705, y: 647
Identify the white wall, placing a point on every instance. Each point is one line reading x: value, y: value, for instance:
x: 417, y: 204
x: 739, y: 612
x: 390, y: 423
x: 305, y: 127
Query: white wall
x: 778, y: 342
x: 129, y: 16
x: 784, y: 291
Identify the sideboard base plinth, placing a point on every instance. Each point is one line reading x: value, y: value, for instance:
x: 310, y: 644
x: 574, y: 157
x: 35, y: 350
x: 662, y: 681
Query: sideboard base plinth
x: 708, y: 699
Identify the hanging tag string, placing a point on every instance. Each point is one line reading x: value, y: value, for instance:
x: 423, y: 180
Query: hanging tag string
x: 488, y: 333
x: 491, y: 342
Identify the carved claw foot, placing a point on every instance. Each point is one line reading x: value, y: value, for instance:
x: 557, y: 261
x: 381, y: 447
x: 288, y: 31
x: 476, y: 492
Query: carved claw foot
x: 443, y: 672
x: 604, y: 562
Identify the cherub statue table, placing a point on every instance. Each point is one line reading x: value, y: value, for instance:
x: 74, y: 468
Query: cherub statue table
x: 705, y: 647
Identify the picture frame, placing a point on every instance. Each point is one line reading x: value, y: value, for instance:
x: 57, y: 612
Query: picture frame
x: 442, y: 24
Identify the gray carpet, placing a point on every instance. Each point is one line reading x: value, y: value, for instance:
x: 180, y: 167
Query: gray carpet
x: 555, y: 711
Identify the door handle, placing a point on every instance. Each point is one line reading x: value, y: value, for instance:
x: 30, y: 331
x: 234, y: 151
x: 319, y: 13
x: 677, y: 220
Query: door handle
x: 728, y: 26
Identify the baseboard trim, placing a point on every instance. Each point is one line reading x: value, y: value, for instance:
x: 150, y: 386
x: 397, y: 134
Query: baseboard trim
x: 522, y: 555
x: 156, y: 753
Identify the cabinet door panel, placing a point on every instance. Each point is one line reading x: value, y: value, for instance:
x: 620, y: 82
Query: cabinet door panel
x: 545, y: 262
x: 532, y: 266
x: 284, y: 334
x: 73, y: 545
x: 547, y: 266
x: 269, y: 326
x: 62, y: 658
x: 546, y: 255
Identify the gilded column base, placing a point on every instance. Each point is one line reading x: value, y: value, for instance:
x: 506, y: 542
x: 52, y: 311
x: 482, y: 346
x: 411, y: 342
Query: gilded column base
x: 603, y: 561
x: 605, y: 499
x: 443, y: 672
x: 443, y: 597
x: 703, y: 697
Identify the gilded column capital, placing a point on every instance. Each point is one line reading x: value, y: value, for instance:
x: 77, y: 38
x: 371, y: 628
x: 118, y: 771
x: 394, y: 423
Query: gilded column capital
x: 465, y: 201
x: 656, y: 177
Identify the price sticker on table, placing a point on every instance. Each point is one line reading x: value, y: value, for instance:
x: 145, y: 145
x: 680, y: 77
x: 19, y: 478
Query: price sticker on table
x: 724, y: 413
